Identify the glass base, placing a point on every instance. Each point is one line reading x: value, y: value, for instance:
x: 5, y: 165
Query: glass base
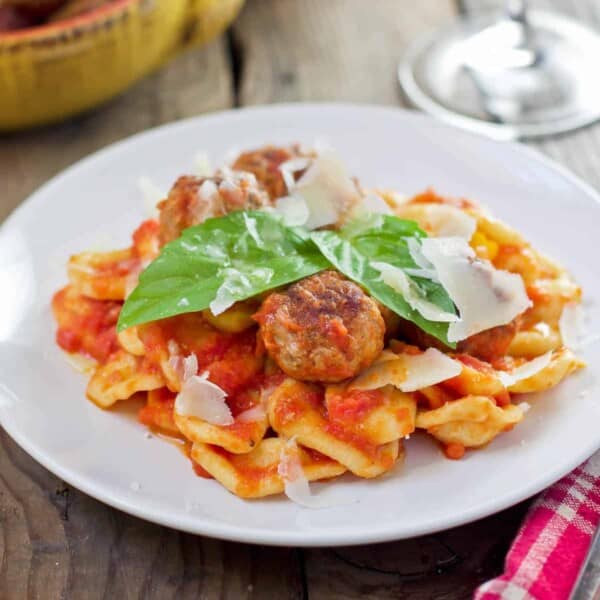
x: 481, y: 74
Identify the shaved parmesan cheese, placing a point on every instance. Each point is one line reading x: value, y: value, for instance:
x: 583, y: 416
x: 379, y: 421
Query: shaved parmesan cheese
x: 184, y: 368
x: 151, y: 195
x: 293, y: 210
x: 570, y: 325
x: 202, y: 166
x: 397, y: 279
x: 327, y: 190
x: 256, y: 413
x: 416, y: 253
x: 290, y: 167
x: 444, y: 220
x: 372, y: 203
x: 409, y: 372
x: 190, y: 366
x: 296, y: 484
x: 204, y: 400
x: 208, y: 190
x: 485, y: 297
x: 525, y: 371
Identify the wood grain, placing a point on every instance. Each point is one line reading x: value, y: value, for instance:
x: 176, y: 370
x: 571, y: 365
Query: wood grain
x: 313, y: 50
x: 56, y: 542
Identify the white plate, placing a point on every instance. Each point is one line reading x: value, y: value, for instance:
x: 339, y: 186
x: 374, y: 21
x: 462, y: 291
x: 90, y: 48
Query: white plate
x: 106, y: 454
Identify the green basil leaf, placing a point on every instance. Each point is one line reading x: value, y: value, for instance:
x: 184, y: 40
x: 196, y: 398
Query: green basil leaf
x: 382, y: 238
x: 233, y: 257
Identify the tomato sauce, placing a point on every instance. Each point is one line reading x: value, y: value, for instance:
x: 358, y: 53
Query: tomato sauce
x: 353, y: 406
x: 85, y: 325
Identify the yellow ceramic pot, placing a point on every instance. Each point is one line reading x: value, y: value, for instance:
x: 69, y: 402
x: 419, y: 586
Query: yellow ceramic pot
x: 53, y: 71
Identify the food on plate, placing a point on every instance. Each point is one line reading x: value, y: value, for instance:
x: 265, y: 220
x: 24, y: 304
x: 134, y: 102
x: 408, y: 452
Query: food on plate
x: 291, y: 326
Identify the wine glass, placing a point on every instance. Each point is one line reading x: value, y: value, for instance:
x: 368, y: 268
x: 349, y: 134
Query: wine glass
x: 522, y: 74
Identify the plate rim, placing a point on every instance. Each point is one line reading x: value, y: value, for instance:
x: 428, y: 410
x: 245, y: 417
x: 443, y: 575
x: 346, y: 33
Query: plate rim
x: 301, y: 538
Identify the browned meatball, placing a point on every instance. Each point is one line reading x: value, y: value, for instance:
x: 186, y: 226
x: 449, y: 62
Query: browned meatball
x: 192, y: 200
x: 264, y: 165
x: 487, y: 345
x: 323, y: 328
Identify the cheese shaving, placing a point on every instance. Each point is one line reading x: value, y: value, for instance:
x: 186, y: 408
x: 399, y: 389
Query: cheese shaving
x: 485, y: 297
x: 525, y: 371
x: 293, y: 210
x: 256, y: 413
x: 409, y: 372
x: 202, y: 165
x: 204, y: 400
x: 570, y: 325
x: 296, y: 485
x: 290, y: 167
x: 399, y: 281
x: 444, y: 220
x: 151, y: 195
x: 327, y: 190
x: 372, y: 203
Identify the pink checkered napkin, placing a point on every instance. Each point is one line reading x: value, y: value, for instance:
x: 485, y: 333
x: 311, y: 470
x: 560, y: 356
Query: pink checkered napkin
x: 553, y: 541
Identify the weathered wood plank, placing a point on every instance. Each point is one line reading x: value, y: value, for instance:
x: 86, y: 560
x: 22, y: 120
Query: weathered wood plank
x: 195, y: 82
x: 447, y: 565
x: 335, y: 50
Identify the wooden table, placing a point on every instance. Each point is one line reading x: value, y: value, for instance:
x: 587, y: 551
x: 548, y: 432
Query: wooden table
x: 59, y: 543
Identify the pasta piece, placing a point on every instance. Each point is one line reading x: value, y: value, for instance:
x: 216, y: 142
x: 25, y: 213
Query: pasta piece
x: 145, y: 240
x: 471, y: 421
x: 381, y: 416
x: 158, y: 411
x: 254, y: 475
x: 238, y: 438
x: 498, y: 231
x: 296, y: 410
x: 549, y: 298
x: 230, y: 358
x: 85, y: 325
x: 562, y: 364
x: 534, y: 342
x: 520, y: 260
x: 130, y: 341
x: 103, y: 275
x: 477, y: 378
x: 121, y: 377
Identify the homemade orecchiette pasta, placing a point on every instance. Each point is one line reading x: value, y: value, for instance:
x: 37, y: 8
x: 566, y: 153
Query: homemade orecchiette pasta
x: 289, y: 326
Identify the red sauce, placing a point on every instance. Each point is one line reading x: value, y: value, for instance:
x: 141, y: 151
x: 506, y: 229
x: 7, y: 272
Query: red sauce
x: 430, y: 197
x: 85, y: 325
x: 304, y: 399
x: 200, y: 471
x: 145, y: 239
x: 353, y: 406
x: 454, y: 451
x: 503, y: 398
x: 353, y: 439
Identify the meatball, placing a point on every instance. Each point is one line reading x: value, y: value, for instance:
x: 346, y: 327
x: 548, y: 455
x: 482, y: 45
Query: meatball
x: 323, y: 328
x: 264, y: 165
x: 192, y: 200
x: 487, y: 345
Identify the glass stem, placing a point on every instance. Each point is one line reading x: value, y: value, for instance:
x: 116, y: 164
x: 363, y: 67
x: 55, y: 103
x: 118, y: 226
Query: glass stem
x: 517, y: 13
x: 516, y: 10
